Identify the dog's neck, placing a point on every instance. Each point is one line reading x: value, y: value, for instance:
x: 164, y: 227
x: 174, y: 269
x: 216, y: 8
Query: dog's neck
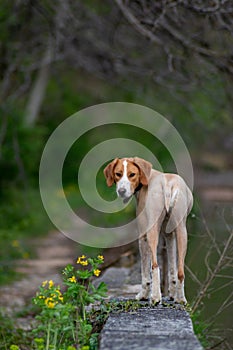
x: 138, y: 188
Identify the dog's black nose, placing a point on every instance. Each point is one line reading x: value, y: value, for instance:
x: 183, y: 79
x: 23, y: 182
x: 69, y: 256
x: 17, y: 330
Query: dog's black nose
x: 121, y: 191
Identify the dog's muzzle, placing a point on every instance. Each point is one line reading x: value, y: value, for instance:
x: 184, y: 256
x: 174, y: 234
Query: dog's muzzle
x: 121, y: 193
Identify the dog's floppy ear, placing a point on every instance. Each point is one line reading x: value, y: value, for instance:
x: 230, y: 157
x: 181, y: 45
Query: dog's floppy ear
x: 144, y: 168
x: 108, y: 172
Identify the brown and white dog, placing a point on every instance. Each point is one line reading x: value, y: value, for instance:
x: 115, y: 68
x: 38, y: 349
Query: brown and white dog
x: 163, y: 203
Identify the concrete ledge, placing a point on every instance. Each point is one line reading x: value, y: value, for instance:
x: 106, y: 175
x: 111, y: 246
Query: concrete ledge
x: 160, y: 328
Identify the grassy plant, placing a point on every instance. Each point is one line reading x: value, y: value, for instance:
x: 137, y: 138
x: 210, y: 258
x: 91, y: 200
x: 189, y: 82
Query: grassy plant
x: 201, y: 329
x: 63, y: 320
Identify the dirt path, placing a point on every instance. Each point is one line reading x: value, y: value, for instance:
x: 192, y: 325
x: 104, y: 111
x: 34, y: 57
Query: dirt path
x: 52, y: 253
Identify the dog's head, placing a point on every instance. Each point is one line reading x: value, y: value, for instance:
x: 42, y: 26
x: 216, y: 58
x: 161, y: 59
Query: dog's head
x: 127, y: 174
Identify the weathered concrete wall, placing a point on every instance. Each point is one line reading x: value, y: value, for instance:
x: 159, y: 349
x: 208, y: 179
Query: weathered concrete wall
x: 159, y: 328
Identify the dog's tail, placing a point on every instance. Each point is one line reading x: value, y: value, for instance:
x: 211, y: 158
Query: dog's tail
x: 171, y: 195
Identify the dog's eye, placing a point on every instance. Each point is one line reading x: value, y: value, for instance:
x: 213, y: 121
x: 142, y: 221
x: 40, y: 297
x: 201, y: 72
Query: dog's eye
x: 132, y: 175
x: 118, y: 174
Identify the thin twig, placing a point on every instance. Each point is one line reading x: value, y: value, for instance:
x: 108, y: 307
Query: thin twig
x: 223, y: 286
x: 216, y: 345
x: 193, y: 276
x: 224, y: 276
x: 211, y: 236
x: 222, y: 308
x: 137, y: 25
x: 212, y: 274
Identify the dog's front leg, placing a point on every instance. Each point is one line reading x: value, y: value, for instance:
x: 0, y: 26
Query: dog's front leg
x: 145, y: 269
x: 153, y: 237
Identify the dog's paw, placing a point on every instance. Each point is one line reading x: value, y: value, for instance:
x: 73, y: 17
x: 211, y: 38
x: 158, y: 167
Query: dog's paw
x: 180, y: 296
x: 142, y: 295
x: 155, y: 299
x: 172, y: 296
x: 181, y: 300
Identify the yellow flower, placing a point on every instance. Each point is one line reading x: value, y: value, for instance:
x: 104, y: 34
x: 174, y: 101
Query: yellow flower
x: 72, y: 279
x: 41, y: 297
x: 100, y: 257
x: 81, y: 261
x: 50, y: 303
x: 44, y: 283
x: 57, y: 295
x: 97, y: 272
x: 84, y: 263
x: 51, y: 284
x: 47, y: 300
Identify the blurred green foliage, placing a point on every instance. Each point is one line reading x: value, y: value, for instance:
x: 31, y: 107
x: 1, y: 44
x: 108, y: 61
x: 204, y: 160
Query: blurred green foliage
x: 196, y: 110
x: 21, y: 212
x: 97, y: 57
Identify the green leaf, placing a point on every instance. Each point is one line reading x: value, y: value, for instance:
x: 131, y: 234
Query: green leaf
x: 102, y: 288
x: 83, y: 274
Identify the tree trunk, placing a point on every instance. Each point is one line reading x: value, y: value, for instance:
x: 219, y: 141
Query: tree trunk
x: 38, y: 89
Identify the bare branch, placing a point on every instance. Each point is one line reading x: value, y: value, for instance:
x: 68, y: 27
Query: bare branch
x: 212, y: 274
x: 202, y: 9
x: 223, y: 306
x: 38, y: 90
x: 223, y: 286
x: 193, y: 276
x: 211, y: 236
x: 224, y: 276
x: 209, y: 270
x: 185, y: 42
x: 216, y: 7
x: 137, y: 25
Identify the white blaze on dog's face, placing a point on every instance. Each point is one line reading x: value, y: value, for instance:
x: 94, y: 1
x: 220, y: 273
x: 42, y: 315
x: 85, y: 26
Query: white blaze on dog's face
x: 126, y: 177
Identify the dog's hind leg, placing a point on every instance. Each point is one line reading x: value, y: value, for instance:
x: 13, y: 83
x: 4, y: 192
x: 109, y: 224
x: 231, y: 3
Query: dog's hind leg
x: 145, y: 269
x: 181, y: 237
x: 163, y: 264
x: 172, y: 264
